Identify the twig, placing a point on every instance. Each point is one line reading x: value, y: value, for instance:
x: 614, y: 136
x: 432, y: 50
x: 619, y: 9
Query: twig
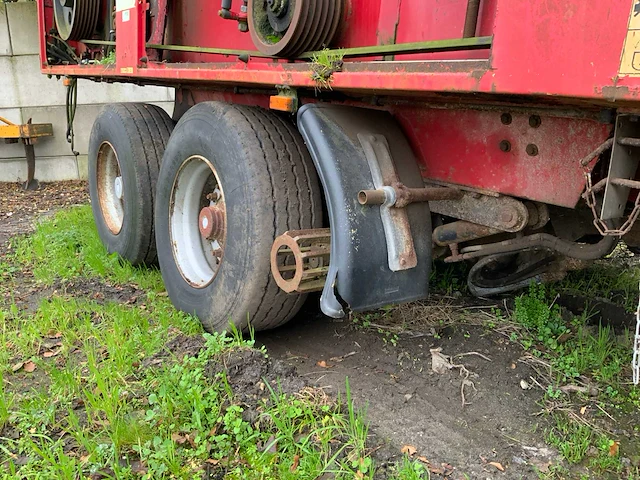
x: 473, y: 353
x: 605, y: 412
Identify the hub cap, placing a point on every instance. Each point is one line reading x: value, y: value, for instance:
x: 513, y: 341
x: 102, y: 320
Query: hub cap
x: 110, y: 188
x: 197, y: 221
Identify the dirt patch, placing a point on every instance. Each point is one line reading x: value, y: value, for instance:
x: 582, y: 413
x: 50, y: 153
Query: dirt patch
x: 26, y: 294
x: 20, y: 209
x: 409, y: 404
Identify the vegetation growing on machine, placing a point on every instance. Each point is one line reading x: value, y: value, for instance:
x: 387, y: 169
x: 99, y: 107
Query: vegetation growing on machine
x: 323, y: 65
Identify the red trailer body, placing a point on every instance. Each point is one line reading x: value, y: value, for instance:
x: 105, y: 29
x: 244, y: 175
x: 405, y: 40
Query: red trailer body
x: 517, y: 101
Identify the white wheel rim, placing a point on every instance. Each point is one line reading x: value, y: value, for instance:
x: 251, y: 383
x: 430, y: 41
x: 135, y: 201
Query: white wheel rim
x: 110, y: 188
x: 196, y: 186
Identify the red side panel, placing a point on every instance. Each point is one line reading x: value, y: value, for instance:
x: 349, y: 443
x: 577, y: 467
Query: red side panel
x: 464, y: 147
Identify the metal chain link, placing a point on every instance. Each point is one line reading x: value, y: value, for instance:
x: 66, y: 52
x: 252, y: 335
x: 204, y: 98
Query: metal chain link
x: 636, y: 349
x: 589, y: 196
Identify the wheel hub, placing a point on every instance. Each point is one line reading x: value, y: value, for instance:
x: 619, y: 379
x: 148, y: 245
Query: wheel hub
x: 211, y: 223
x: 118, y: 188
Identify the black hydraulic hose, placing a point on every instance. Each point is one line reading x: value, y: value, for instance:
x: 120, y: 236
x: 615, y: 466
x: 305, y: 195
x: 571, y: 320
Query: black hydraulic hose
x: 580, y: 251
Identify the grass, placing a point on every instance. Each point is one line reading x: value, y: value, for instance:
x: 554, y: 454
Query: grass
x: 86, y: 390
x: 592, y: 358
x: 323, y: 65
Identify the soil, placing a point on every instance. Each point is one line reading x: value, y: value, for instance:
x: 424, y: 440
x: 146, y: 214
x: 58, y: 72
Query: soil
x: 408, y: 404
x: 19, y: 208
x: 497, y: 434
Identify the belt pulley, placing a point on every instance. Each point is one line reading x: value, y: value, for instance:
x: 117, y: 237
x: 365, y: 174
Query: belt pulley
x: 76, y: 19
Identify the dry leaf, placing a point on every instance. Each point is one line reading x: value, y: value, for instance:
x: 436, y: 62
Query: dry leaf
x: 424, y: 460
x: 497, y: 465
x: 613, y: 449
x: 583, y: 410
x: 409, y: 450
x: 17, y: 366
x: 359, y: 475
x: 51, y: 353
x: 212, y: 461
x: 296, y: 462
x: 29, y: 367
x: 323, y: 364
x: 179, y: 439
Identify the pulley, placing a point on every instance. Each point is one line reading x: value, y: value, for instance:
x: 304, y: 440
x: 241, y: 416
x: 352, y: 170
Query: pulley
x: 287, y: 28
x: 76, y: 19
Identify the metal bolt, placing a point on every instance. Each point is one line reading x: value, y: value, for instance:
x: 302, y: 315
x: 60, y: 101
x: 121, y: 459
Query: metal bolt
x: 535, y: 121
x: 506, y: 118
x: 532, y: 150
x: 505, y: 146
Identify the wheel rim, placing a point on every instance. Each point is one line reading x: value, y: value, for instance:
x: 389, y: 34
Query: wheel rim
x: 197, y: 221
x: 110, y: 188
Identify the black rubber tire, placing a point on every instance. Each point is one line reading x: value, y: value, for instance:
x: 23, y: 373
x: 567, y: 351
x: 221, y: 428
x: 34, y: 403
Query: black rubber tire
x: 270, y: 186
x: 139, y: 134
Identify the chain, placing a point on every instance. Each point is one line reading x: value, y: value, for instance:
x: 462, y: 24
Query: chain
x: 590, y: 197
x: 636, y: 349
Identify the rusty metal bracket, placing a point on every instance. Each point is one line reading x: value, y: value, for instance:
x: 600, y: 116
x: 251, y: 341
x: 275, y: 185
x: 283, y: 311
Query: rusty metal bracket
x: 27, y: 134
x: 397, y: 231
x: 503, y: 213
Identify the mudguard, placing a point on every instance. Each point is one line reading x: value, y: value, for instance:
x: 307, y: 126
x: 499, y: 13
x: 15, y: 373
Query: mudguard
x: 360, y: 272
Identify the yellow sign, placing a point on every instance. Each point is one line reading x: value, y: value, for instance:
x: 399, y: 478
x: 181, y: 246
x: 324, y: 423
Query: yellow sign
x: 630, y: 61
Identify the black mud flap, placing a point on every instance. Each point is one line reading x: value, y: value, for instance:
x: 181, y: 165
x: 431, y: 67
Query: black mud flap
x: 362, y: 274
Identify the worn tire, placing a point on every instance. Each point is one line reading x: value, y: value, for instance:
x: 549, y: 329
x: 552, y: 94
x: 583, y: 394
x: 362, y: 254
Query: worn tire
x: 269, y: 186
x: 137, y: 134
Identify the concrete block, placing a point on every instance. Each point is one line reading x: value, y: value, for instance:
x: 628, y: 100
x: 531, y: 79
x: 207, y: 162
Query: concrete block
x: 9, y: 90
x: 23, y: 27
x: 24, y: 86
x: 83, y: 167
x: 58, y: 145
x: 48, y: 169
x: 11, y: 150
x: 5, y: 39
x: 90, y: 92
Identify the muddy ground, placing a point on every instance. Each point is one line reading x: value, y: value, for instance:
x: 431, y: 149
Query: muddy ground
x: 497, y: 433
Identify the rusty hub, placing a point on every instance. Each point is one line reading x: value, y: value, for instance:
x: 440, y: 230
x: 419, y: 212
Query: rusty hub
x: 211, y: 222
x: 300, y: 260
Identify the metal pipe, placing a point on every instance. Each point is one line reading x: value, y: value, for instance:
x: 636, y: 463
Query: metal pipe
x: 580, y: 251
x: 471, y: 19
x: 629, y: 142
x: 458, y: 232
x: 400, y: 196
x: 597, y: 152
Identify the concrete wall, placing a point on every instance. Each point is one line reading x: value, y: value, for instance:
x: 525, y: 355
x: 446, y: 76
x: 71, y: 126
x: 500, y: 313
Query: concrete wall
x: 25, y: 93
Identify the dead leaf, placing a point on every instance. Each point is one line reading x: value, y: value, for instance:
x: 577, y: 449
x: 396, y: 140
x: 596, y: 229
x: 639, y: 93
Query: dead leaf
x: 17, y: 366
x: 51, y: 353
x: 29, y: 367
x: 614, y: 448
x: 212, y: 461
x: 359, y: 475
x: 323, y: 364
x: 439, y: 362
x: 179, y: 439
x: 497, y: 465
x: 409, y: 450
x: 424, y: 460
x: 583, y: 410
x: 296, y: 462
